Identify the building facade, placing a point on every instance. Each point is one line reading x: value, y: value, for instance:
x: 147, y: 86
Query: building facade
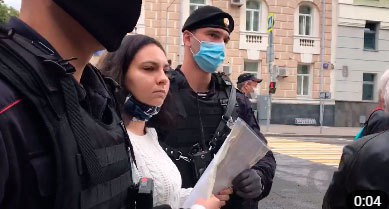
x: 362, y: 55
x: 297, y: 61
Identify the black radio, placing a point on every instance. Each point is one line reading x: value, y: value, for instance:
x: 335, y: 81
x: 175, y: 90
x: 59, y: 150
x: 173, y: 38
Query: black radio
x: 141, y: 194
x: 200, y: 161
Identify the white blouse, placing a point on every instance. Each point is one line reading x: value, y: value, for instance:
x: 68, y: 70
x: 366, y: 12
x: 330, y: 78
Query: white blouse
x: 153, y: 162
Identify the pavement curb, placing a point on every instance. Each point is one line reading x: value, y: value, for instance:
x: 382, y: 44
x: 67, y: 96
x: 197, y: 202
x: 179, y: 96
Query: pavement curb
x: 308, y: 135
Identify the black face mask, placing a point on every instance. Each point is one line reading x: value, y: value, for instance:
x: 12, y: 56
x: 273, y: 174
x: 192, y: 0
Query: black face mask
x: 107, y: 20
x: 138, y: 110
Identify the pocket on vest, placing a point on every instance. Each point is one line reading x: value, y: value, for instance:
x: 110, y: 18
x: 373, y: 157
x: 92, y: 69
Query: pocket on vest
x: 44, y: 170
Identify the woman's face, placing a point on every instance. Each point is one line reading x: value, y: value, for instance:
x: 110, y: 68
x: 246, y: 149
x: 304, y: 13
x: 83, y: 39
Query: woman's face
x: 146, y: 78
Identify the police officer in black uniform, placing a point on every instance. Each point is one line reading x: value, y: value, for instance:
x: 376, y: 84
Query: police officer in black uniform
x: 194, y: 120
x: 62, y: 144
x: 246, y: 84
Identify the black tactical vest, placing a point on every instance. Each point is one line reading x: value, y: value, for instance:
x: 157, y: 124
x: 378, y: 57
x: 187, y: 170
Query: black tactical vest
x: 188, y: 119
x: 91, y: 157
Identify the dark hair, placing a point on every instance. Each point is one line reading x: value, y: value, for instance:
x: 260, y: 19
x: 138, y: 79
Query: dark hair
x: 115, y: 64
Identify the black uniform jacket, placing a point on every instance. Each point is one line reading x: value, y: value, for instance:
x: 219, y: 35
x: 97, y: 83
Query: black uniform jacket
x: 246, y: 111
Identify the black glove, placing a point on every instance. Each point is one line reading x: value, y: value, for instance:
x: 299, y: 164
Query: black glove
x: 248, y: 184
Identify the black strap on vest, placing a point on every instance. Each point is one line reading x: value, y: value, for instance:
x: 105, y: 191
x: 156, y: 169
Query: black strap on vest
x: 226, y: 118
x: 78, y: 127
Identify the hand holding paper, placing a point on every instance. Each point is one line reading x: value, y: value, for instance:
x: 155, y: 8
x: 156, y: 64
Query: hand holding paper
x: 239, y: 152
x: 248, y: 184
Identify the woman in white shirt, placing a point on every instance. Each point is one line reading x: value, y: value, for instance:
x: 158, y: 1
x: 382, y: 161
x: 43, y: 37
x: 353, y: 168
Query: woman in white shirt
x: 139, y: 67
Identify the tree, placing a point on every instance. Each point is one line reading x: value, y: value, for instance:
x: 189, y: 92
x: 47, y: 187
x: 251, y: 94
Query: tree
x: 6, y: 12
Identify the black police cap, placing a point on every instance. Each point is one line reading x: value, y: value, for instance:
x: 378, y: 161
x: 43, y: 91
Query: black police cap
x: 248, y: 77
x: 209, y: 17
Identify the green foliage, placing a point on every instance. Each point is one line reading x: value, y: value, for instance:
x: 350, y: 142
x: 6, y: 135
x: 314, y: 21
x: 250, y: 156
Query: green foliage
x: 6, y: 12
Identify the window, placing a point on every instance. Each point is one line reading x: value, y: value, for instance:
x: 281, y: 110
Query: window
x: 305, y: 20
x: 303, y: 80
x: 251, y: 67
x: 370, y: 35
x: 252, y: 16
x: 195, y: 4
x: 368, y: 86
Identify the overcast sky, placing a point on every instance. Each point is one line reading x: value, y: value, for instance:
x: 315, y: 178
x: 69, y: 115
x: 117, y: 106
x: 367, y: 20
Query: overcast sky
x: 13, y: 3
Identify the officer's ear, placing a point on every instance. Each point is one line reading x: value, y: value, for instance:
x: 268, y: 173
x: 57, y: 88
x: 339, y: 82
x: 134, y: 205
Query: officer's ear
x: 186, y: 38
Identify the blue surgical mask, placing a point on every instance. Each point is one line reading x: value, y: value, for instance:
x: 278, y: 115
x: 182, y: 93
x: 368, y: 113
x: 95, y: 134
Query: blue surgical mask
x: 139, y: 111
x: 210, y: 55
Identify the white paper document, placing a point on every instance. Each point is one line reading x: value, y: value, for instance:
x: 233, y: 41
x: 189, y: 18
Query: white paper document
x: 240, y: 151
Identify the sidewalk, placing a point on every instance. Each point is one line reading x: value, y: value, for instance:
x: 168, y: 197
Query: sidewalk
x: 309, y: 131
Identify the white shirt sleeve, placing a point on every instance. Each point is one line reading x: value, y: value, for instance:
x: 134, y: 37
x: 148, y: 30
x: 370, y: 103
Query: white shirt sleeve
x: 197, y: 207
x: 184, y: 193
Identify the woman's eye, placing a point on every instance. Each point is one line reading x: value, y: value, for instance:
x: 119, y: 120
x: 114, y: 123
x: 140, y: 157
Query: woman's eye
x: 148, y: 68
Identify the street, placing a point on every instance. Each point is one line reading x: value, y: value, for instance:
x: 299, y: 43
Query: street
x: 304, y: 170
